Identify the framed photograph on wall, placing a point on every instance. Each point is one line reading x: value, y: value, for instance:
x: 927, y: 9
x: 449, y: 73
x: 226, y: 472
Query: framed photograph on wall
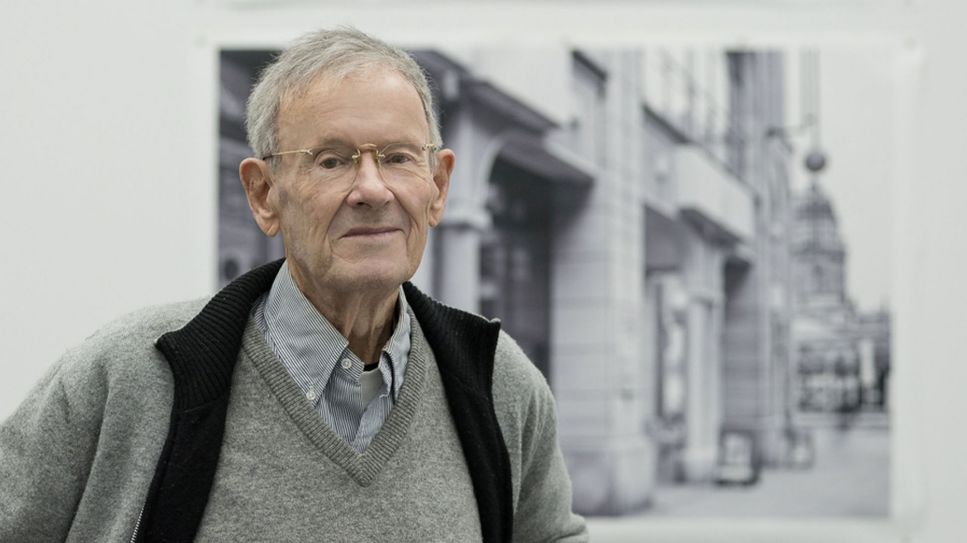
x: 693, y: 242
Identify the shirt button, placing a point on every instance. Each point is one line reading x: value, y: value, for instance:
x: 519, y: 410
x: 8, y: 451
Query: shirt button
x: 311, y: 395
x: 346, y: 363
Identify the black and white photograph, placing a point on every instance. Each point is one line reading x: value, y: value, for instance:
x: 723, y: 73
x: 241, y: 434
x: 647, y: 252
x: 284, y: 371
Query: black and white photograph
x: 665, y: 232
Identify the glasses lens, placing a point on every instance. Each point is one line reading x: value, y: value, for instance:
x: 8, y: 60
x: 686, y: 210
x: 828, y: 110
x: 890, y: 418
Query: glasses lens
x: 401, y: 160
x: 334, y: 163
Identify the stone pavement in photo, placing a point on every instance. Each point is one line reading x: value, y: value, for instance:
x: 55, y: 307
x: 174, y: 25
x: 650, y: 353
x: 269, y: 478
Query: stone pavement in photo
x: 849, y: 478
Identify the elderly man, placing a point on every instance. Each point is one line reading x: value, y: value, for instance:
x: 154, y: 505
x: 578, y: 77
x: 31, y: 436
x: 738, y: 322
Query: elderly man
x: 322, y: 397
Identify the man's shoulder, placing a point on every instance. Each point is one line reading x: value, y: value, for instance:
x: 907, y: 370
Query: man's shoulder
x: 516, y: 380
x: 511, y: 361
x: 515, y: 377
x: 122, y: 342
x: 148, y: 322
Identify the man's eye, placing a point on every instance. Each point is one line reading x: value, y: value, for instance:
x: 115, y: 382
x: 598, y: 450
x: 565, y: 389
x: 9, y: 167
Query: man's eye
x: 330, y: 162
x: 397, y: 158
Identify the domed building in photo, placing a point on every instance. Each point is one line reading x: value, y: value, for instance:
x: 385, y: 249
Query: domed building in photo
x: 842, y: 355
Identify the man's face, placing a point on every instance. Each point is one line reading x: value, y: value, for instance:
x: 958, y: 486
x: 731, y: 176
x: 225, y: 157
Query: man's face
x: 367, y: 233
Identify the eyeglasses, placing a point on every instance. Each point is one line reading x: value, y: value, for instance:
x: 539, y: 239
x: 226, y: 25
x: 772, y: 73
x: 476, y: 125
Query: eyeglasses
x: 336, y: 163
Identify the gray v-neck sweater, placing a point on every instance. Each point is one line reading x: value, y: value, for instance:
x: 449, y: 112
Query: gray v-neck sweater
x: 78, y: 455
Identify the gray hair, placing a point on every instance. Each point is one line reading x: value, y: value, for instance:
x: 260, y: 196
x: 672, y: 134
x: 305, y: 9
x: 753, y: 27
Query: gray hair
x: 332, y: 53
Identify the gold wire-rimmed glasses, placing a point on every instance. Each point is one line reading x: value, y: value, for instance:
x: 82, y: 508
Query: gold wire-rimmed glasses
x: 335, y: 162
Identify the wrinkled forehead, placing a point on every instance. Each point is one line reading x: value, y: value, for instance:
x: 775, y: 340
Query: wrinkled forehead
x: 376, y: 94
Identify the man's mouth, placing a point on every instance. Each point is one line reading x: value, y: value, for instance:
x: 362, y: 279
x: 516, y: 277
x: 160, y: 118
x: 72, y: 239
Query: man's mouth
x: 371, y: 231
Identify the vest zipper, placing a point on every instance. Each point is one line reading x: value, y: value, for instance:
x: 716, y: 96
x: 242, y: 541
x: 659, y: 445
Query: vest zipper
x: 137, y: 526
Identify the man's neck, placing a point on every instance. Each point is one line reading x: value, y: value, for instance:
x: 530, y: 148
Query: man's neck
x: 366, y: 318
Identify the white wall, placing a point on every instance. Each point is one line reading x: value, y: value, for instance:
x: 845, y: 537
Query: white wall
x: 107, y: 126
x: 105, y: 207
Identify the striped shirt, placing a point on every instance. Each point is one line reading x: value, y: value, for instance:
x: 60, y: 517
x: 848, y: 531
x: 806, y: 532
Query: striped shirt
x: 354, y: 404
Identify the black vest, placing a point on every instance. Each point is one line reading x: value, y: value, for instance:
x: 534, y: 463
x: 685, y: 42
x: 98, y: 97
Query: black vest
x: 202, y: 355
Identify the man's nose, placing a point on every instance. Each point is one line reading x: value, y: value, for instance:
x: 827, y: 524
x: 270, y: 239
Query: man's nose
x: 369, y: 186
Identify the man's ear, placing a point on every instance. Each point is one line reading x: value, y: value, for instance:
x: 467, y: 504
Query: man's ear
x: 257, y: 181
x: 445, y: 160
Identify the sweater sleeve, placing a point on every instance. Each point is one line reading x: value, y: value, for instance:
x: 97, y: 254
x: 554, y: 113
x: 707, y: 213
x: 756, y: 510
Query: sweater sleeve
x: 528, y: 420
x: 46, y: 449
